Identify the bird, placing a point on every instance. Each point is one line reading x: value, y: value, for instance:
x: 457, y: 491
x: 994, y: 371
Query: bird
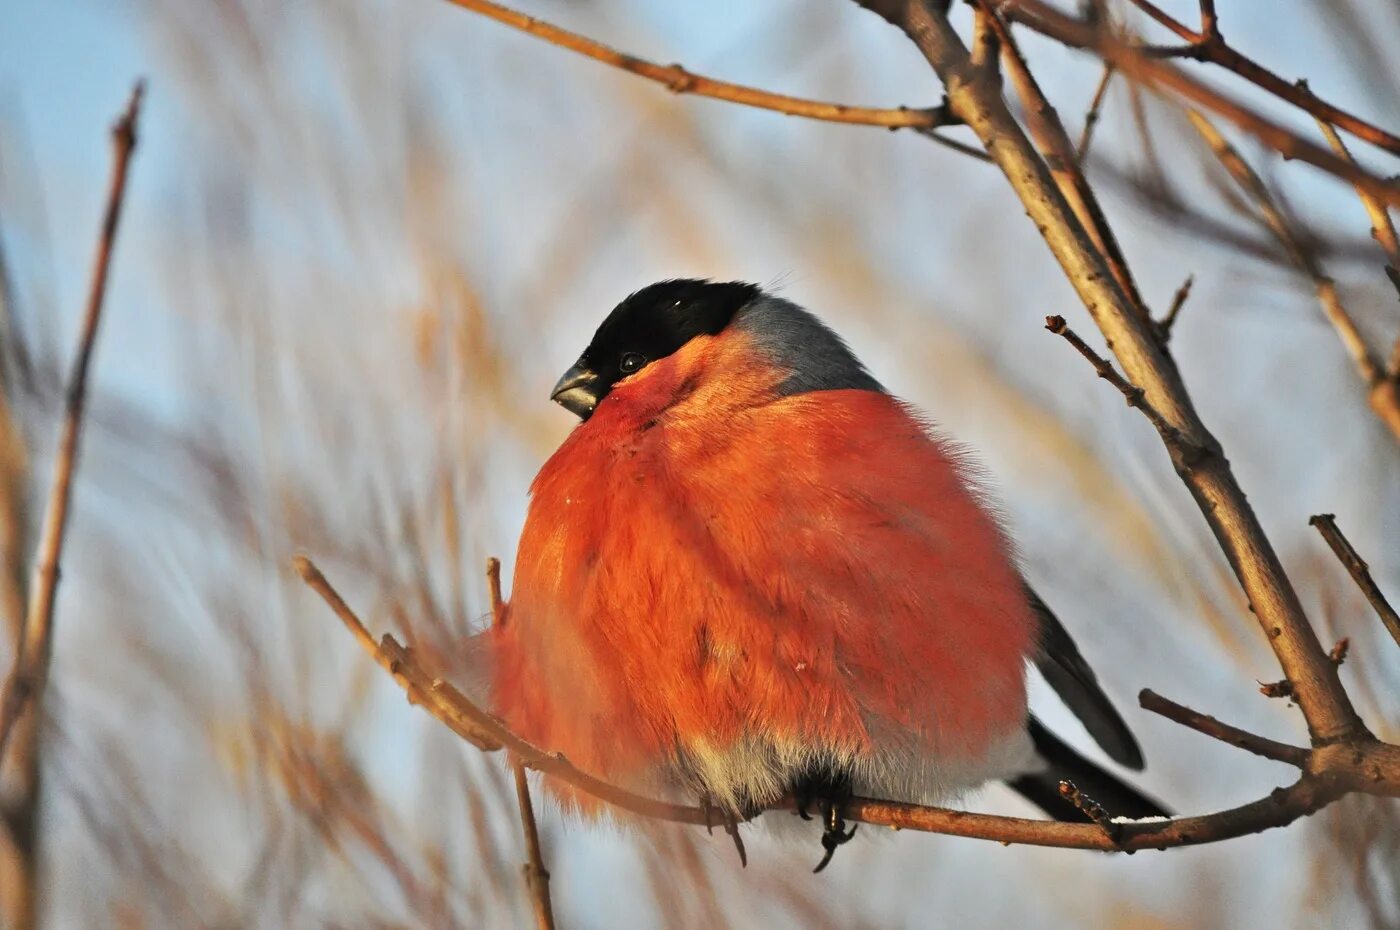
x: 750, y: 573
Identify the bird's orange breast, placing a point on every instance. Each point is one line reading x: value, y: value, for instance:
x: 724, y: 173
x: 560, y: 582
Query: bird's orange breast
x: 813, y: 570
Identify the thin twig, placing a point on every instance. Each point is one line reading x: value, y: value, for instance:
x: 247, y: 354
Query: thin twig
x: 1134, y: 395
x: 1091, y: 809
x: 678, y: 80
x: 1381, y: 393
x: 1383, y: 231
x: 1178, y: 301
x: 1135, y: 64
x: 27, y: 680
x: 961, y: 148
x: 1240, y: 739
x: 1208, y: 46
x: 493, y: 587
x: 1382, y: 226
x: 1360, y: 572
x: 1210, y: 24
x: 1091, y: 118
x: 1063, y: 159
x: 536, y: 876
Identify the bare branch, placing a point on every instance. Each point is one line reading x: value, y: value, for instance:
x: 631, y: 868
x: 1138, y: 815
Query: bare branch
x: 1382, y: 227
x: 493, y: 587
x: 1164, y: 327
x: 1091, y: 118
x: 25, y: 686
x: 1360, y: 572
x: 1383, y: 231
x: 1325, y: 705
x: 536, y: 876
x: 1208, y: 46
x: 680, y: 81
x: 1240, y: 739
x: 1380, y: 390
x: 1135, y: 63
x: 1134, y: 395
x: 1063, y: 160
x: 1361, y: 765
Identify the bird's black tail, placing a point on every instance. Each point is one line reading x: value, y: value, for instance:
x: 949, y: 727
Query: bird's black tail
x: 1064, y: 764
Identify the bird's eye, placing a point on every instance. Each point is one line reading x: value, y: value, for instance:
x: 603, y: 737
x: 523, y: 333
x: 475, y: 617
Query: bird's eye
x: 632, y: 361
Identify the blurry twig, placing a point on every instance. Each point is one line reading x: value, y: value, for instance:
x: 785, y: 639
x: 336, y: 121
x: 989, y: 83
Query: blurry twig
x: 1164, y: 326
x: 678, y: 80
x: 1383, y: 231
x: 536, y: 875
x: 1207, y: 45
x: 1135, y: 63
x: 1091, y: 118
x: 1382, y: 392
x: 1360, y: 572
x: 25, y: 685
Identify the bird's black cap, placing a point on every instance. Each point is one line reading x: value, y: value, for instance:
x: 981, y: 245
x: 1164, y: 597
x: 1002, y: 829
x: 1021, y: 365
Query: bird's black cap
x: 649, y: 325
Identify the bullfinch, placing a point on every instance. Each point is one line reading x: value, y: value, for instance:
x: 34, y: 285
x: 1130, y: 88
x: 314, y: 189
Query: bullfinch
x: 752, y: 573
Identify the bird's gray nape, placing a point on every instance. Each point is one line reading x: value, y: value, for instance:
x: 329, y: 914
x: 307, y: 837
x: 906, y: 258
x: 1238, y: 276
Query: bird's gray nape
x: 794, y: 339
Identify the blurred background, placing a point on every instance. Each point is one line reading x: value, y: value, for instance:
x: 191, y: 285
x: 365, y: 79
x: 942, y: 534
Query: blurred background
x: 361, y: 241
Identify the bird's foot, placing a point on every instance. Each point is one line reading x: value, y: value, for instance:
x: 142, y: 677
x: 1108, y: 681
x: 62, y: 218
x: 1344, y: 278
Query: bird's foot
x: 835, y: 833
x: 828, y: 791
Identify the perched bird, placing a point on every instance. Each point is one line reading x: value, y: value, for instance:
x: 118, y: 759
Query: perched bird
x: 750, y: 572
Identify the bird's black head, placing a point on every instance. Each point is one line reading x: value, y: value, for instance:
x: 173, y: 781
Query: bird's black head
x: 649, y: 325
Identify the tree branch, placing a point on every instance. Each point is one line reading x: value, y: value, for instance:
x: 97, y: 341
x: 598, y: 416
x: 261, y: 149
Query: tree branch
x: 25, y: 686
x: 1091, y: 117
x: 680, y: 81
x: 1164, y: 326
x: 1360, y: 572
x: 1240, y: 739
x: 536, y: 875
x: 1135, y: 63
x: 1381, y: 391
x: 1063, y: 159
x: 1207, y: 474
x: 1361, y: 765
x: 1208, y: 46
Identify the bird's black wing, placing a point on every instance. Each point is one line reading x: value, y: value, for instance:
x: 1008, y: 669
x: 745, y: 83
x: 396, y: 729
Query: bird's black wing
x: 1074, y: 681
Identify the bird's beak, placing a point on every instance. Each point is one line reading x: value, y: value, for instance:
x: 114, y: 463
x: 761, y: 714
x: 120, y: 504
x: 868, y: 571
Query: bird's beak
x: 577, y: 391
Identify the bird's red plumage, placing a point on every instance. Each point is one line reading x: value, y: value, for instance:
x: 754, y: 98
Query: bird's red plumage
x: 706, y: 563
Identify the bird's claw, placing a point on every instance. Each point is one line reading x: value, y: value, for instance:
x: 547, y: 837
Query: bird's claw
x: 835, y: 833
